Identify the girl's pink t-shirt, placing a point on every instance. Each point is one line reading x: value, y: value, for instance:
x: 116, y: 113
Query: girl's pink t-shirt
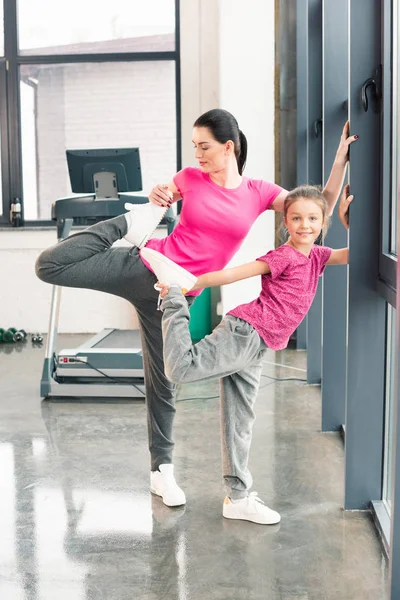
x: 286, y: 293
x: 213, y: 222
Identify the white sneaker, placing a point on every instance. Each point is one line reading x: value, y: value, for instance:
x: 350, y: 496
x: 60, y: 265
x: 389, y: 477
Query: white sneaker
x: 162, y: 483
x: 167, y: 271
x: 251, y: 508
x: 142, y: 222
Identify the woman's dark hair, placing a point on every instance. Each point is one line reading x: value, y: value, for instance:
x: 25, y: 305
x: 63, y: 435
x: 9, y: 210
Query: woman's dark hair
x: 223, y: 126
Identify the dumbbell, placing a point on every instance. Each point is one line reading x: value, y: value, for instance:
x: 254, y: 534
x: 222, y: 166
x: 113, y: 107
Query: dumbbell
x: 19, y: 336
x: 7, y: 336
x: 37, y: 338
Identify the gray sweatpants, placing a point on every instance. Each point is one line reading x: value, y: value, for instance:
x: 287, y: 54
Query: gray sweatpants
x: 86, y: 260
x: 233, y: 352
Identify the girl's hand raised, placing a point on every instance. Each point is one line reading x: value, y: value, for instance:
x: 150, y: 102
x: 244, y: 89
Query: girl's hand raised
x: 344, y: 203
x: 342, y: 154
x: 162, y: 288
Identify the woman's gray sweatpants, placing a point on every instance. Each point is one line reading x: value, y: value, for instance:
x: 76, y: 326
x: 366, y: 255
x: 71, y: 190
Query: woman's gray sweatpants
x: 233, y: 352
x: 86, y: 260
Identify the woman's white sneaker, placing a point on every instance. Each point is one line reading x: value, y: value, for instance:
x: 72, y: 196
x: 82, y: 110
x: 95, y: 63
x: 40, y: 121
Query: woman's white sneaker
x: 162, y: 483
x: 251, y: 508
x: 142, y: 221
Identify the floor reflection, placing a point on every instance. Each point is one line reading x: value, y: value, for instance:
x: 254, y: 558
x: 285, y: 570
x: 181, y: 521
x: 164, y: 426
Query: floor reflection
x: 60, y: 539
x: 77, y: 520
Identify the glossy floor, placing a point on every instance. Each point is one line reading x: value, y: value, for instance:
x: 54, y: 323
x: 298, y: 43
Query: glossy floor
x: 77, y: 521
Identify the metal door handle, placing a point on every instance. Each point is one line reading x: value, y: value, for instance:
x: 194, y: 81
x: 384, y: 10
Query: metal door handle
x: 375, y: 83
x: 318, y: 127
x: 364, y: 97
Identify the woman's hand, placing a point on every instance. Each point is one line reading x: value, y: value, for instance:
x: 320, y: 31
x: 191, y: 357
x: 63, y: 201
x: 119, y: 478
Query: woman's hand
x: 161, y: 195
x: 342, y: 154
x: 344, y: 203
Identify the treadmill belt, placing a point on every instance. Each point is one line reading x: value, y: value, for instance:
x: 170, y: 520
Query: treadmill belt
x: 121, y: 338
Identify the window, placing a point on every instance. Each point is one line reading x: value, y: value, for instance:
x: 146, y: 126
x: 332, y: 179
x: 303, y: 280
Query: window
x: 389, y: 406
x: 77, y: 27
x: 396, y: 130
x: 71, y: 84
x: 390, y: 151
x: 93, y: 105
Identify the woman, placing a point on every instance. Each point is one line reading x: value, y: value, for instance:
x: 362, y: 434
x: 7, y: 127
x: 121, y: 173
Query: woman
x: 219, y: 207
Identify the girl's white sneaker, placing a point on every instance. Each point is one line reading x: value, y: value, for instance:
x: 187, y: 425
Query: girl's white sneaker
x: 251, y: 508
x: 167, y: 271
x: 142, y: 221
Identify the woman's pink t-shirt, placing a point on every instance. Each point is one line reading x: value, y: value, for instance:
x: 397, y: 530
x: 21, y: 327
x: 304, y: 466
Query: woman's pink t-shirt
x: 286, y: 293
x: 214, y: 220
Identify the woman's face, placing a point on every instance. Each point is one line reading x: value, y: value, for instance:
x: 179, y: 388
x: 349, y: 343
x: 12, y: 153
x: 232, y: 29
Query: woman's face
x: 212, y: 155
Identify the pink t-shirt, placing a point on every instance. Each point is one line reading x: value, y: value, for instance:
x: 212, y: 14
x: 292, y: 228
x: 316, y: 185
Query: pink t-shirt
x: 286, y: 293
x: 213, y: 222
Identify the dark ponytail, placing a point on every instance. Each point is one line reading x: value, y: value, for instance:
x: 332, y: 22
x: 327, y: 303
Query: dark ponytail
x: 223, y: 126
x: 241, y: 159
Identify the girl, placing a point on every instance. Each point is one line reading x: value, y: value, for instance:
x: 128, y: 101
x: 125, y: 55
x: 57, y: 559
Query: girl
x: 219, y: 207
x: 236, y: 348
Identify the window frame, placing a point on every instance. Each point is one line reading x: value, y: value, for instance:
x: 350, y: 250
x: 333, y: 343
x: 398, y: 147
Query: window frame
x: 386, y: 284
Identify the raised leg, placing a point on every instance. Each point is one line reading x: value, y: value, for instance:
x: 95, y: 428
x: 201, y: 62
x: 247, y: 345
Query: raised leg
x: 87, y: 260
x: 230, y: 348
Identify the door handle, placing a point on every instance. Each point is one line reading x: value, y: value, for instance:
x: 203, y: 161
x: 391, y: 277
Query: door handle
x: 317, y: 127
x: 375, y: 83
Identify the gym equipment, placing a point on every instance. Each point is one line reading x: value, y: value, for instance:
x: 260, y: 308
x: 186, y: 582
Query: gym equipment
x: 110, y: 364
x: 8, y: 335
x: 12, y: 335
x: 19, y: 336
x: 37, y: 338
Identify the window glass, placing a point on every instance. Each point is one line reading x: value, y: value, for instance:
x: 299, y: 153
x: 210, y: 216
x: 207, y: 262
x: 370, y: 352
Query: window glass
x: 389, y: 404
x: 396, y: 131
x: 93, y: 105
x: 76, y: 27
x: 2, y: 28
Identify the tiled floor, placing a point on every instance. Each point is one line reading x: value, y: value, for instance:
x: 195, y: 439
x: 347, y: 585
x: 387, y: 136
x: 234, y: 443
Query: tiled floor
x: 77, y: 521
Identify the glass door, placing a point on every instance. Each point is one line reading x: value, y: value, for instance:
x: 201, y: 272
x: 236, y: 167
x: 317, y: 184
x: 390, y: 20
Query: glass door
x: 389, y: 408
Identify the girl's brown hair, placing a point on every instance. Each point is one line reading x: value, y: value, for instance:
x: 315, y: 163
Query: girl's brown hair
x: 308, y: 192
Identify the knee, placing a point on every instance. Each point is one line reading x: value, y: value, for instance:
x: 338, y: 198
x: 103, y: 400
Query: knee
x: 43, y: 266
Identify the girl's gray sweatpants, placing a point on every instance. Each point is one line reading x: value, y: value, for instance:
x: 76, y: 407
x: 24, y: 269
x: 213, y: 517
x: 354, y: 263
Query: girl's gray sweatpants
x: 233, y: 352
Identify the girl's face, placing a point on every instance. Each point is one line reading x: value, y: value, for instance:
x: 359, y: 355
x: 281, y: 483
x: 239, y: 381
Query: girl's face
x: 304, y: 220
x: 212, y: 155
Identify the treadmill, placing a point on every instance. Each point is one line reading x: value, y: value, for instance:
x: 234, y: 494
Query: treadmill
x: 110, y: 364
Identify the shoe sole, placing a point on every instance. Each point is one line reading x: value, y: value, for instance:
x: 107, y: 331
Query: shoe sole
x: 251, y: 520
x: 148, y: 254
x: 153, y: 491
x: 148, y: 235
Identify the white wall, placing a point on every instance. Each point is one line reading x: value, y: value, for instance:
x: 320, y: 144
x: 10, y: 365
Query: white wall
x: 227, y: 50
x: 247, y: 64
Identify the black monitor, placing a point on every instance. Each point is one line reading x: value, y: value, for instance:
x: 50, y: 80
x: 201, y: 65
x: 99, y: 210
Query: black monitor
x: 104, y: 172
